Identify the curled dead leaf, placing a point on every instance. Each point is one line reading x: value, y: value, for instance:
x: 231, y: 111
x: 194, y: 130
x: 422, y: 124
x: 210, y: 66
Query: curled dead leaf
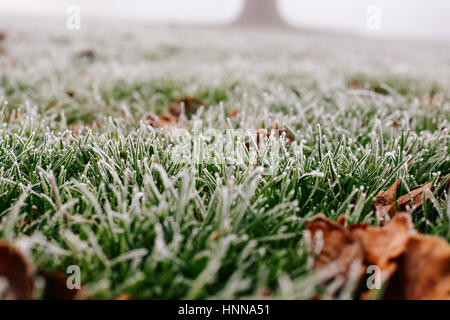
x: 415, y: 266
x: 382, y: 245
x: 190, y: 105
x: 337, y: 244
x: 51, y: 105
x: 165, y: 122
x: 263, y: 135
x: 234, y: 112
x: 56, y: 288
x: 79, y: 128
x: 415, y: 198
x: 385, y: 200
x: 12, y: 116
x: 355, y: 84
x: 169, y: 120
x: 19, y: 275
x: 86, y: 54
x: 17, y: 271
x: 285, y: 135
x: 423, y: 271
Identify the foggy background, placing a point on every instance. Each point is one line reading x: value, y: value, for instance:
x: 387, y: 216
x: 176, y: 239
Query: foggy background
x: 421, y: 19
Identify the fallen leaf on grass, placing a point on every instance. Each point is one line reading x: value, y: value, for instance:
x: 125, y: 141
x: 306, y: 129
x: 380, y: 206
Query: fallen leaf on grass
x: 382, y: 245
x: 282, y: 133
x: 56, y: 288
x: 51, y: 105
x: 416, y: 197
x: 17, y: 271
x: 12, y: 116
x: 385, y: 200
x: 355, y: 84
x: 190, y: 105
x: 79, y: 128
x: 263, y: 135
x: 337, y: 244
x: 415, y: 266
x: 169, y: 120
x: 234, y: 112
x: 423, y: 271
x: 19, y: 274
x: 165, y: 122
x: 86, y: 54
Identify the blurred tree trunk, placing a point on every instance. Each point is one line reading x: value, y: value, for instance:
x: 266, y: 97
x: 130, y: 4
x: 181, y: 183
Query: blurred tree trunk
x: 260, y: 13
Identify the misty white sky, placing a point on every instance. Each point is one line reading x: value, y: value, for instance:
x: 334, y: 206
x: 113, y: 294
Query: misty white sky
x: 412, y: 18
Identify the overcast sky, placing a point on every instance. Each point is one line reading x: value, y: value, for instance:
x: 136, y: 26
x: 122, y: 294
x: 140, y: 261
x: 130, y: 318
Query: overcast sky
x: 412, y: 18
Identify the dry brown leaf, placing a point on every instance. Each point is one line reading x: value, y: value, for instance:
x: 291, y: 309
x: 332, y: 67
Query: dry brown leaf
x: 286, y: 135
x: 190, y: 105
x: 83, y: 128
x: 12, y: 116
x: 417, y: 197
x: 338, y: 244
x: 263, y: 135
x: 165, y: 122
x: 423, y: 271
x: 416, y: 266
x: 355, y: 84
x: 16, y: 269
x: 86, y: 54
x: 56, y: 288
x: 169, y: 120
x: 384, y: 201
x: 382, y: 245
x: 19, y: 273
x: 51, y: 105
x: 282, y: 133
x: 234, y: 112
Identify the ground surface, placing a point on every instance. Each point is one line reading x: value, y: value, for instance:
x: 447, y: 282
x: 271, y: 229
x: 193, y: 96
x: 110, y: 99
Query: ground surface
x: 111, y: 198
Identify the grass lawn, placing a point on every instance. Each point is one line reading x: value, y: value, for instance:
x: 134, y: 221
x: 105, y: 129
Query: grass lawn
x: 86, y: 180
